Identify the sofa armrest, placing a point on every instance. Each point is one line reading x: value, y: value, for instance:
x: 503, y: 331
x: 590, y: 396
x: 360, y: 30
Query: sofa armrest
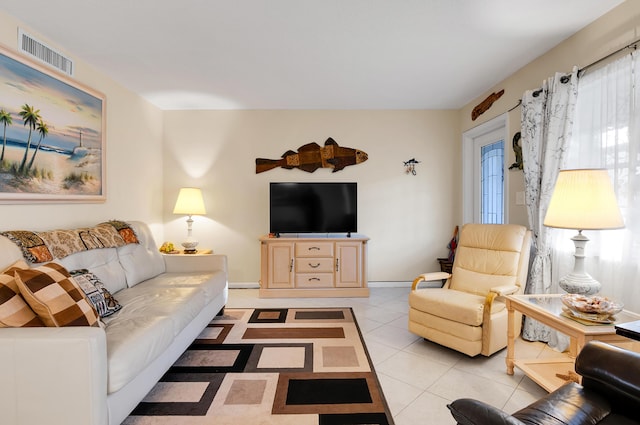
x: 53, y: 376
x: 612, y: 372
x: 195, y: 263
x: 473, y: 412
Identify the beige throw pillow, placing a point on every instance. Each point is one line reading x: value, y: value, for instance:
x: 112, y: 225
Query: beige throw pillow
x: 14, y: 311
x: 55, y: 296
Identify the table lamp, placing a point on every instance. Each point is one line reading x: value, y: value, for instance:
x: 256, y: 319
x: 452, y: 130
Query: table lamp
x: 189, y: 202
x: 583, y: 200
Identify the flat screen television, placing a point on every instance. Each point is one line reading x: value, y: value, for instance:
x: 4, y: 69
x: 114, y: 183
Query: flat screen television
x: 313, y: 207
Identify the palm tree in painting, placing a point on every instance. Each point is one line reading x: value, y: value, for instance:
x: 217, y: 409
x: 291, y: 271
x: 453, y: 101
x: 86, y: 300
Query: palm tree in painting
x: 43, y: 129
x: 5, y: 120
x: 30, y: 116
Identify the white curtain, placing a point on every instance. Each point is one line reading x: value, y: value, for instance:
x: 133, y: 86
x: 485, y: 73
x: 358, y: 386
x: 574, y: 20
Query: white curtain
x: 547, y: 122
x: 607, y: 135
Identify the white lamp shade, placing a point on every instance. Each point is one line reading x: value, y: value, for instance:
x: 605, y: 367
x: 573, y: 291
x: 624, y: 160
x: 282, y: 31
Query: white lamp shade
x: 584, y: 200
x: 190, y: 202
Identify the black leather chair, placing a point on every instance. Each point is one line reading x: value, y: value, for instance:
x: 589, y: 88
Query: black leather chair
x: 609, y: 394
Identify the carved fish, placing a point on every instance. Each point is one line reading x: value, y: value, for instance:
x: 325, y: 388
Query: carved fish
x: 485, y: 104
x: 312, y: 156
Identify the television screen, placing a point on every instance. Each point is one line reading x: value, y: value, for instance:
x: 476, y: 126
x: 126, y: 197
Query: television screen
x: 313, y: 207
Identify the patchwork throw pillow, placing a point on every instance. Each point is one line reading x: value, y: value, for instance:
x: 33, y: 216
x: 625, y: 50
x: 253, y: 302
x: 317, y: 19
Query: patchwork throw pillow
x: 101, y: 299
x: 55, y: 296
x: 14, y: 311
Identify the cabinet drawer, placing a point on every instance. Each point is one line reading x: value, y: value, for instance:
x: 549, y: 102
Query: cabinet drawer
x: 314, y: 249
x: 314, y: 280
x: 314, y: 265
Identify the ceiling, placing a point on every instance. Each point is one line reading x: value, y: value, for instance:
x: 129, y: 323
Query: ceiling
x: 307, y: 54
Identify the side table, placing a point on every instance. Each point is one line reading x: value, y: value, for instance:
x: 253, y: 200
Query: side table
x: 547, y: 309
x: 198, y: 252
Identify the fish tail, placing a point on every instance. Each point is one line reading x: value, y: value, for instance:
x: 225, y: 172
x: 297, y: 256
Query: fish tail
x: 263, y: 164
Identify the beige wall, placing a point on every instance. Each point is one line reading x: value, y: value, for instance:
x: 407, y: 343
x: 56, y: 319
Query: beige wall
x: 408, y: 218
x: 614, y: 30
x: 134, y: 175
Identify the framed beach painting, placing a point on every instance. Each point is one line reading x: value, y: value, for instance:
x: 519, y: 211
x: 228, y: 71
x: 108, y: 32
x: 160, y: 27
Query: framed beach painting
x: 52, y: 135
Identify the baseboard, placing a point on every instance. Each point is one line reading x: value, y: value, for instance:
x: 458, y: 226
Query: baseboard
x: 244, y: 285
x: 377, y: 284
x: 390, y: 284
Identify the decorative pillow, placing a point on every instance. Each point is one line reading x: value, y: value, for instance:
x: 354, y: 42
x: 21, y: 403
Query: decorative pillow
x: 101, y: 299
x: 14, y: 311
x: 55, y: 296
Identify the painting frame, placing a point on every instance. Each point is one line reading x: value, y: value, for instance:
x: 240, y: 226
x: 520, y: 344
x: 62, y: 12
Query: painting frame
x: 54, y: 149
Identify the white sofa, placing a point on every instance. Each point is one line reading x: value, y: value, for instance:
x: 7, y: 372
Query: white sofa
x: 97, y: 375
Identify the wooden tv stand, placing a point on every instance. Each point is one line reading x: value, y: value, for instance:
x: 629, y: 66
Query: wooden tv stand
x: 313, y: 266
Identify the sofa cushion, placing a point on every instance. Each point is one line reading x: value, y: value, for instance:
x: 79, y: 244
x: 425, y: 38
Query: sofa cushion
x: 478, y: 283
x: 141, y: 261
x: 104, y: 263
x: 94, y: 290
x: 55, y: 297
x: 463, y: 307
x: 14, y: 311
x: 152, y: 315
x: 211, y: 284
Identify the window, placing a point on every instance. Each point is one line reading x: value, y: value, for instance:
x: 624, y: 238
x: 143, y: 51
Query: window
x: 484, y: 190
x: 606, y: 134
x: 492, y: 183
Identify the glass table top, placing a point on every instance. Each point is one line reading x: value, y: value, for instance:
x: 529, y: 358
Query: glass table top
x: 552, y: 304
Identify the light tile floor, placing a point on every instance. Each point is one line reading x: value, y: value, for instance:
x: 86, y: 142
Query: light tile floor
x: 418, y: 377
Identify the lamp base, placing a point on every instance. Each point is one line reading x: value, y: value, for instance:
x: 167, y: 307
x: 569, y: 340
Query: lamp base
x: 580, y: 284
x: 190, y: 243
x: 579, y: 281
x: 190, y: 246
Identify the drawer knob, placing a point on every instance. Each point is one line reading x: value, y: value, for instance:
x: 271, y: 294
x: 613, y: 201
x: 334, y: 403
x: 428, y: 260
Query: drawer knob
x: 314, y: 266
x: 314, y: 278
x: 311, y: 248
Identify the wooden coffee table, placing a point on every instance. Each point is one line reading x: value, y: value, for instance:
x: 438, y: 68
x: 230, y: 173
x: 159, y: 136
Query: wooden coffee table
x: 547, y: 309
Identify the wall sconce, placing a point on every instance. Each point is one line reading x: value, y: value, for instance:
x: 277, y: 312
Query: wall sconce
x: 583, y: 200
x: 190, y: 202
x: 410, y: 166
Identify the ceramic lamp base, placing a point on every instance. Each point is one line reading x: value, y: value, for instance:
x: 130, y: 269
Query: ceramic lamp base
x: 579, y: 281
x: 580, y: 284
x: 190, y: 245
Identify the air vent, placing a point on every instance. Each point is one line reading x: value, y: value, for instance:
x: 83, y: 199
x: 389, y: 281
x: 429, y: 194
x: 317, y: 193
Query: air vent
x: 40, y: 51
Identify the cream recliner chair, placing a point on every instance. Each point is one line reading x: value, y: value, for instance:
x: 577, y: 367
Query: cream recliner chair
x: 468, y: 313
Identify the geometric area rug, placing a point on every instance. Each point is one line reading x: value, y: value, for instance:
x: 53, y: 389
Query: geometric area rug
x: 280, y: 366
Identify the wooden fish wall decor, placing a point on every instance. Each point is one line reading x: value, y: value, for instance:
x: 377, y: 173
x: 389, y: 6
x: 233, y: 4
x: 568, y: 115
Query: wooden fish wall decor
x: 485, y: 104
x: 312, y: 156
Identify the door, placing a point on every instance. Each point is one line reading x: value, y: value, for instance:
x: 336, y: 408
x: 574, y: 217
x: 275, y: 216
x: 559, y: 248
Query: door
x: 483, y: 172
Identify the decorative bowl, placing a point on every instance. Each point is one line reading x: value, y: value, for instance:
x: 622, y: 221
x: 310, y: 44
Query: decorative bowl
x: 591, y: 304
